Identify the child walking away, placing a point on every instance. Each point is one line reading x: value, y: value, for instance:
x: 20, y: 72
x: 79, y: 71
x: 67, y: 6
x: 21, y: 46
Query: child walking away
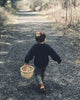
x: 41, y: 52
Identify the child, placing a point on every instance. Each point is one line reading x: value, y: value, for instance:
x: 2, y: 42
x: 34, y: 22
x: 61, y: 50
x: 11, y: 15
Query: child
x: 40, y: 51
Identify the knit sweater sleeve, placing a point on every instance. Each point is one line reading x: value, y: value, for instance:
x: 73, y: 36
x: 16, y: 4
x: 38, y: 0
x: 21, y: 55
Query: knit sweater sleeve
x: 29, y: 55
x: 54, y: 55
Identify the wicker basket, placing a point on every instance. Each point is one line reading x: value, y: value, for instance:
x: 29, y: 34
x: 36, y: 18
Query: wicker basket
x: 27, y: 72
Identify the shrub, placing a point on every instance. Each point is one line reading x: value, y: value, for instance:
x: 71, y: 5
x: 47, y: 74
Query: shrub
x: 45, y: 6
x: 35, y: 3
x: 3, y: 16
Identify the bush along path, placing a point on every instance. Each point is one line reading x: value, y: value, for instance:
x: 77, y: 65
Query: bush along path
x: 62, y: 82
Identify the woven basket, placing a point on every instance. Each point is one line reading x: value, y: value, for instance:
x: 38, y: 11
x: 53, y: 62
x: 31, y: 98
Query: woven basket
x: 27, y: 72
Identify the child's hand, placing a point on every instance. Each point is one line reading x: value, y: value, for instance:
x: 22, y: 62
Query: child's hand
x: 27, y: 65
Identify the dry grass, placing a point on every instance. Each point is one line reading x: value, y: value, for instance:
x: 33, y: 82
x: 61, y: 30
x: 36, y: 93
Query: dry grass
x: 58, y: 14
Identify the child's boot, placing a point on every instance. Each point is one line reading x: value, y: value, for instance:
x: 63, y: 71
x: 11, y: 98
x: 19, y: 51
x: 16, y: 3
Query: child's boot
x: 42, y: 88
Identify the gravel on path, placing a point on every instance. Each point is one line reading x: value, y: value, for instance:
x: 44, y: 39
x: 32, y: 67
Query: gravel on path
x: 62, y: 82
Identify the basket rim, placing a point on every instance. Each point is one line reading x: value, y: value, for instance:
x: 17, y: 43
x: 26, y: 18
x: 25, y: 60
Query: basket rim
x: 25, y: 71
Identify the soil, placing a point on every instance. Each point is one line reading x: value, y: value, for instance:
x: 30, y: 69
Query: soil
x: 62, y: 81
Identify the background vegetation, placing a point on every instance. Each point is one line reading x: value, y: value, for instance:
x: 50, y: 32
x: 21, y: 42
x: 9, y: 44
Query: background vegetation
x: 62, y: 11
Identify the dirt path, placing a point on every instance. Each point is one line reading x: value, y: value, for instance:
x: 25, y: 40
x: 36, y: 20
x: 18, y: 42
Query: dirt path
x: 62, y: 82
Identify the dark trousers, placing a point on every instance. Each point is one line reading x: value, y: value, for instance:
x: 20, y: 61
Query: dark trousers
x: 39, y: 73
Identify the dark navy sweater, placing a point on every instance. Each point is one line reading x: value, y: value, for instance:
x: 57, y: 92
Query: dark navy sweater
x: 41, y: 53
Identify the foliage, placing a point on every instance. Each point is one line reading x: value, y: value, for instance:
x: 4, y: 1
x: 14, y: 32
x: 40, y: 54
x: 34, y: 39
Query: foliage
x: 10, y: 10
x: 3, y: 2
x: 68, y: 3
x: 14, y: 3
x: 71, y: 12
x: 3, y: 16
x: 35, y: 3
x: 45, y: 6
x: 69, y: 7
x: 6, y: 13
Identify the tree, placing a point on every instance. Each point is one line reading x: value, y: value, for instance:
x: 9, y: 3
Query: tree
x: 14, y: 3
x: 35, y: 3
x: 71, y: 12
x: 3, y: 2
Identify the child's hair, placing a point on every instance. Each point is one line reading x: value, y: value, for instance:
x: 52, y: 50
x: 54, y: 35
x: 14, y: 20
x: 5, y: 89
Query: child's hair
x: 40, y: 36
